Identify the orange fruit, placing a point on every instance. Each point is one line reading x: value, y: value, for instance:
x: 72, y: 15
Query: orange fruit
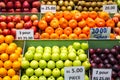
x: 49, y: 30
x: 90, y: 22
x: 0, y: 78
x: 59, y: 14
x: 93, y: 14
x: 63, y: 23
x: 59, y: 30
x: 18, y: 52
x: 77, y: 16
x: 86, y: 30
x: 7, y: 78
x: 16, y: 65
x: 84, y: 14
x: 44, y: 36
x: 16, y: 77
x: 1, y: 63
x: 67, y: 15
x: 68, y: 31
x: 77, y: 30
x: 54, y: 36
x: 83, y: 36
x: 63, y: 36
x: 14, y: 57
x: 110, y: 23
x: 73, y: 36
x: 2, y: 39
x: 13, y: 44
x: 73, y: 23
x: 42, y: 24
x: 11, y: 72
x: 112, y: 36
x: 48, y: 16
x: 82, y: 23
x: 2, y: 49
x: 10, y: 49
x: 9, y: 39
x: 19, y: 49
x: 7, y: 64
x: 104, y: 15
x: 54, y: 23
x: 100, y: 22
x: 4, y: 45
x: 4, y: 56
x: 3, y: 72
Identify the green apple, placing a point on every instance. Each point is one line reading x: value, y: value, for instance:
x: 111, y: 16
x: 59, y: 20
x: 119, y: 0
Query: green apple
x: 72, y: 50
x: 32, y: 48
x: 34, y: 64
x: 39, y: 49
x: 70, y: 47
x: 80, y: 51
x: 46, y: 56
x: 59, y: 64
x: 67, y: 63
x: 56, y: 72
x: 24, y: 77
x: 86, y: 77
x: 29, y: 71
x: 77, y: 58
x: 55, y: 56
x: 51, y: 78
x: 63, y: 48
x: 55, y: 49
x: 38, y: 72
x: 62, y: 72
x: 64, y: 51
x: 51, y: 64
x: 47, y: 72
x: 42, y: 78
x: 29, y: 55
x: 63, y: 56
x: 34, y: 77
x: 84, y: 46
x: 60, y: 78
x: 47, y: 49
x: 86, y: 64
x: 37, y: 56
x: 76, y: 45
x: 25, y: 64
x: 72, y: 56
x: 83, y: 57
x: 76, y: 63
x: 42, y: 64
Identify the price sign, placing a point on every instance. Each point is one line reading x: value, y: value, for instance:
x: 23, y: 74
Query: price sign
x: 100, y: 33
x: 110, y: 8
x: 101, y: 74
x: 74, y: 73
x: 24, y: 34
x: 47, y: 8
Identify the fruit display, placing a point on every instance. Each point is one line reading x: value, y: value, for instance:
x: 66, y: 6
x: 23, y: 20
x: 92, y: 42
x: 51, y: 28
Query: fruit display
x: 73, y: 24
x: 47, y: 62
x: 10, y: 58
x: 10, y: 23
x: 20, y: 6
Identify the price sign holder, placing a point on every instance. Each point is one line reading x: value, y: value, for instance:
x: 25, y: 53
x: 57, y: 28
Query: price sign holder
x: 110, y: 8
x: 48, y: 8
x: 74, y: 73
x: 100, y: 33
x: 24, y: 34
x: 101, y: 74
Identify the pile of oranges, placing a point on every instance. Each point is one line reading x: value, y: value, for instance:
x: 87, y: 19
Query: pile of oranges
x: 73, y: 24
x: 10, y: 58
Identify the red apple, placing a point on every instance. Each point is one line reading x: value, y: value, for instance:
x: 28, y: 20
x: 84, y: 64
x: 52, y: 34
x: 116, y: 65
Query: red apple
x: 34, y: 17
x: 28, y: 25
x: 34, y: 28
x: 118, y: 24
x: 117, y: 15
x: 10, y: 25
x: 36, y: 4
x: 10, y: 4
x: 26, y: 4
x: 17, y: 18
x: 11, y: 10
x: 22, y: 21
x: 26, y: 10
x: 18, y: 4
x: 35, y: 22
x: 13, y: 32
x: 34, y: 10
x: 4, y: 10
x: 18, y: 10
x: 6, y: 32
x: 117, y: 30
x: 8, y: 18
x: 19, y: 26
x: 2, y: 5
x: 3, y: 25
x: 0, y: 31
x: 26, y: 18
x: 3, y: 17
x: 37, y: 35
x: 115, y: 19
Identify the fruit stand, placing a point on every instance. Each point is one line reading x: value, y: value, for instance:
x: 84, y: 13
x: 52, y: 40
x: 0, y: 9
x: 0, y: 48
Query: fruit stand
x: 59, y: 40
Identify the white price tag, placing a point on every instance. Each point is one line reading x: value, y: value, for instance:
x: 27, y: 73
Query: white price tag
x: 110, y: 8
x: 101, y: 74
x: 100, y: 33
x: 48, y: 8
x: 74, y: 73
x: 24, y: 34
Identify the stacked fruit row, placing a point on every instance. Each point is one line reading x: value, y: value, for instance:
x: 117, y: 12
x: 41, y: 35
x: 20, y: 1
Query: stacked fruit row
x: 10, y: 58
x: 10, y: 23
x: 73, y: 24
x: 106, y: 58
x: 19, y: 6
x: 47, y: 63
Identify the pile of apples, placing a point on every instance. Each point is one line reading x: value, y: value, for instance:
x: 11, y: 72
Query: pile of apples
x: 106, y: 58
x: 47, y: 63
x: 10, y: 23
x: 20, y: 6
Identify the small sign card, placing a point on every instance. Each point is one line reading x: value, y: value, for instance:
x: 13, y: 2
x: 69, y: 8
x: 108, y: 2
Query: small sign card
x: 47, y: 8
x: 110, y: 8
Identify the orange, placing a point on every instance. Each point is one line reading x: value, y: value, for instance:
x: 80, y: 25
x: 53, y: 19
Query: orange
x: 67, y: 15
x: 13, y: 57
x: 9, y: 39
x: 42, y: 24
x: 49, y: 30
x: 59, y: 30
x: 110, y: 23
x: 84, y: 14
x: 19, y: 49
x: 77, y: 30
x: 90, y: 22
x: 100, y: 22
x: 18, y: 52
x: 3, y: 72
x: 68, y: 31
x: 10, y: 49
x: 16, y: 65
x: 63, y: 36
x: 0, y: 78
x: 112, y: 36
x: 82, y: 23
x: 77, y: 16
x: 73, y: 36
x: 4, y: 56
x: 13, y: 44
x: 1, y: 63
x: 2, y: 39
x: 83, y: 36
x: 16, y: 77
x: 63, y: 23
x: 11, y: 72
x: 54, y: 23
x: 59, y: 14
x: 73, y: 23
x: 7, y: 78
x: 4, y: 45
x: 104, y: 15
x: 44, y: 36
x: 86, y: 30
x: 48, y: 16
x: 7, y: 64
x: 93, y: 14
x: 54, y: 36
x: 2, y: 49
